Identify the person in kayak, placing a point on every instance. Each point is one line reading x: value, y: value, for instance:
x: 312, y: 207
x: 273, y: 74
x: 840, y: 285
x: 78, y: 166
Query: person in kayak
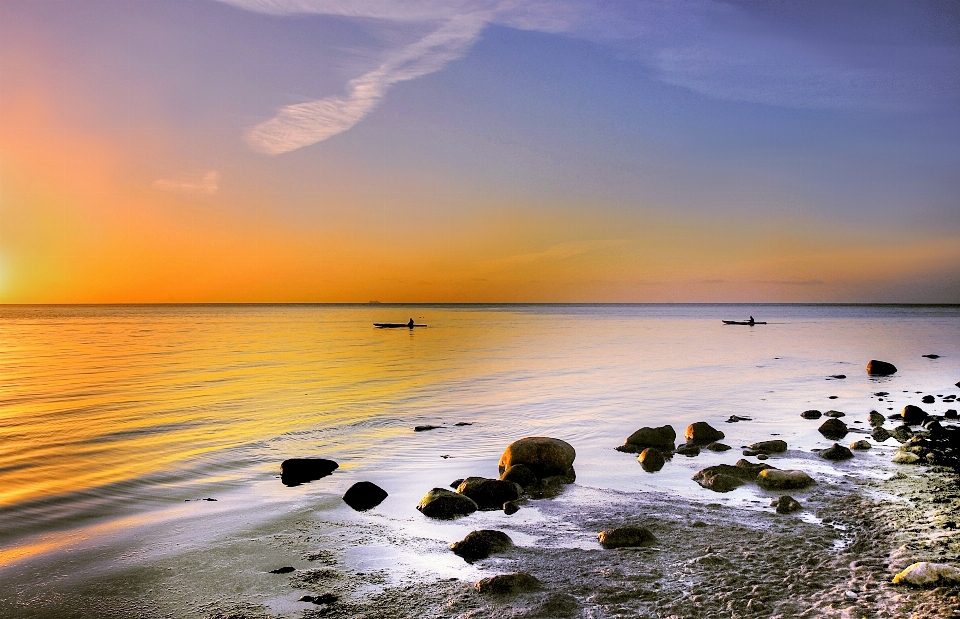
x: 410, y: 324
x: 751, y: 321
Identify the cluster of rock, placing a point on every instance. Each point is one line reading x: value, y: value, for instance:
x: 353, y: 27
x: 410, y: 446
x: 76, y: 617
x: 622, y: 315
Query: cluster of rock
x: 656, y: 445
x: 361, y: 496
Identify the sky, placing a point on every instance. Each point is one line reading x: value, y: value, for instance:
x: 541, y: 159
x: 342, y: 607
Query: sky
x: 479, y: 151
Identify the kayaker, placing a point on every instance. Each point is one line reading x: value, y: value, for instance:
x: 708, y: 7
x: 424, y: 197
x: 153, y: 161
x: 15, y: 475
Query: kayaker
x: 751, y: 321
x: 410, y: 324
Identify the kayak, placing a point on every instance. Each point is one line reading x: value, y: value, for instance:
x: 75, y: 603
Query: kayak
x: 742, y: 322
x: 395, y: 325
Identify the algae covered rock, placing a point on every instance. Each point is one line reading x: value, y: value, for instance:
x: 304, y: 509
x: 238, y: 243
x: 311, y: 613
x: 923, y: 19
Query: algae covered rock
x: 651, y: 460
x: 489, y: 493
x: 624, y: 537
x: 544, y: 456
x: 776, y: 479
x: 926, y: 574
x: 504, y: 584
x: 481, y: 544
x: 769, y: 447
x: 833, y: 429
x: 445, y: 504
x: 663, y: 437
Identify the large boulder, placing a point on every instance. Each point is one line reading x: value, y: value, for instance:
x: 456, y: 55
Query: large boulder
x: 503, y: 584
x: 545, y: 457
x: 769, y: 447
x: 880, y: 368
x: 703, y: 432
x: 724, y: 478
x: 520, y: 475
x: 489, y: 494
x: 364, y: 495
x: 663, y: 437
x: 833, y: 429
x: 913, y: 415
x: 296, y: 471
x: 776, y: 479
x: 624, y: 537
x: 836, y: 453
x: 651, y: 460
x: 880, y: 434
x: 445, y: 504
x: 925, y: 574
x: 481, y: 544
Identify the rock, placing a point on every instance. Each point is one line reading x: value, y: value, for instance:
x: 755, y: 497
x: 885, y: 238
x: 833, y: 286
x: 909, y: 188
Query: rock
x: 880, y: 368
x: 775, y: 479
x: 763, y: 457
x: 456, y: 483
x: 511, y: 507
x: 283, y: 570
x: 928, y: 399
x: 542, y: 455
x: 834, y: 414
x: 838, y: 376
x: 902, y: 434
x: 520, y: 475
x: 835, y: 453
x: 738, y: 418
x: 460, y: 424
x: 931, y: 356
x: 445, y: 504
x: 503, y: 584
x: 724, y: 478
x: 489, y: 494
x: 703, y: 432
x: 364, y: 495
x: 786, y: 504
x: 296, y: 471
x: 626, y: 537
x: 324, y: 598
x: 811, y: 414
x: 717, y: 447
x: 861, y: 445
x: 905, y: 457
x: 750, y: 452
x: 425, y: 428
x: 951, y: 413
x: 481, y: 544
x: 876, y: 419
x: 688, y: 449
x: 925, y: 574
x: 833, y: 429
x: 651, y: 460
x: 769, y: 447
x: 880, y: 434
x: 663, y: 437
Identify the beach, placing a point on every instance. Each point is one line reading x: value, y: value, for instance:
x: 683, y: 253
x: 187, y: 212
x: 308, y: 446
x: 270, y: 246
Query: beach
x: 211, y: 400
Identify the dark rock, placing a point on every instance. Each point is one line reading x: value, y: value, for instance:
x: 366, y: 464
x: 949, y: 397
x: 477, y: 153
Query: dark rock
x: 625, y: 537
x: 723, y: 477
x: 629, y: 448
x: 456, y: 483
x: 928, y: 399
x: 520, y: 475
x: 834, y: 414
x: 763, y: 457
x: 481, y: 544
x: 913, y: 415
x: 811, y: 414
x: 511, y: 507
x: 861, y: 445
x: 833, y: 429
x: 720, y: 482
x: 663, y: 437
x: 503, y: 584
x: 750, y: 452
x: 902, y: 434
x: 445, y: 504
x: 425, y: 428
x: 463, y: 423
x: 689, y: 449
x: 876, y: 419
x: 489, y: 494
x: 736, y: 418
x: 786, y: 504
x: 835, y: 453
x: 542, y: 455
x: 296, y: 471
x: 364, y: 495
x: 769, y: 447
x: 832, y: 397
x: 717, y: 447
x: 325, y: 598
x: 283, y: 570
x: 951, y: 413
x: 651, y: 460
x: 880, y: 434
x: 838, y: 376
x: 776, y: 479
x: 882, y: 393
x: 703, y: 432
x: 931, y: 356
x: 880, y: 368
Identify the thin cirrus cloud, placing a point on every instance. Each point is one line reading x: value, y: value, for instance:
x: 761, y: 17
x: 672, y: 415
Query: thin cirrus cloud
x: 208, y: 184
x: 709, y: 47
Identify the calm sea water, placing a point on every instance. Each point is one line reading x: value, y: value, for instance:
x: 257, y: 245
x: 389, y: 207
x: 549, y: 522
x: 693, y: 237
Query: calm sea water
x: 113, y: 416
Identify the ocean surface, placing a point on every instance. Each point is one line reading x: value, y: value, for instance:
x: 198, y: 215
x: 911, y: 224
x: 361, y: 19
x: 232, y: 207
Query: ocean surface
x: 117, y: 420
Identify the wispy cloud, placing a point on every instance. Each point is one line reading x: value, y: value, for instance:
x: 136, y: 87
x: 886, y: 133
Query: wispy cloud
x: 208, y: 184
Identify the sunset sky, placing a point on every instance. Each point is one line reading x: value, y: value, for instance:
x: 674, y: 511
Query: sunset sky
x: 475, y: 150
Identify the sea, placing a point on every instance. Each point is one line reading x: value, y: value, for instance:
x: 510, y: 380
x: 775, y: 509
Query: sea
x: 119, y: 422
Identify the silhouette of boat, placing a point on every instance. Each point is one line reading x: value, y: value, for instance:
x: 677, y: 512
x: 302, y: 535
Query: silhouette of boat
x: 743, y: 322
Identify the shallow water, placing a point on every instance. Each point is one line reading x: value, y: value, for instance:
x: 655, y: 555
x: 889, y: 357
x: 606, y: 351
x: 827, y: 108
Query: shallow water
x: 115, y: 418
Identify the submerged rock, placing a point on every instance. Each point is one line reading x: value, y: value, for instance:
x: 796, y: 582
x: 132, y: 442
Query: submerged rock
x: 703, y: 432
x: 876, y: 419
x: 861, y: 445
x: 283, y: 570
x: 651, y: 460
x: 364, y: 495
x: 520, y: 475
x: 489, y: 494
x: 481, y: 544
x: 445, y: 504
x: 296, y: 471
x: 834, y: 414
x: 776, y: 479
x: 688, y: 449
x: 544, y: 456
x: 715, y: 446
x: 833, y: 429
x: 902, y: 434
x: 880, y: 368
x: 835, y: 453
x: 786, y: 504
x: 905, y: 457
x: 769, y: 447
x: 663, y: 437
x: 425, y: 428
x: 503, y: 584
x: 928, y: 399
x: 724, y: 478
x: 925, y: 574
x: 811, y: 414
x: 624, y: 537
